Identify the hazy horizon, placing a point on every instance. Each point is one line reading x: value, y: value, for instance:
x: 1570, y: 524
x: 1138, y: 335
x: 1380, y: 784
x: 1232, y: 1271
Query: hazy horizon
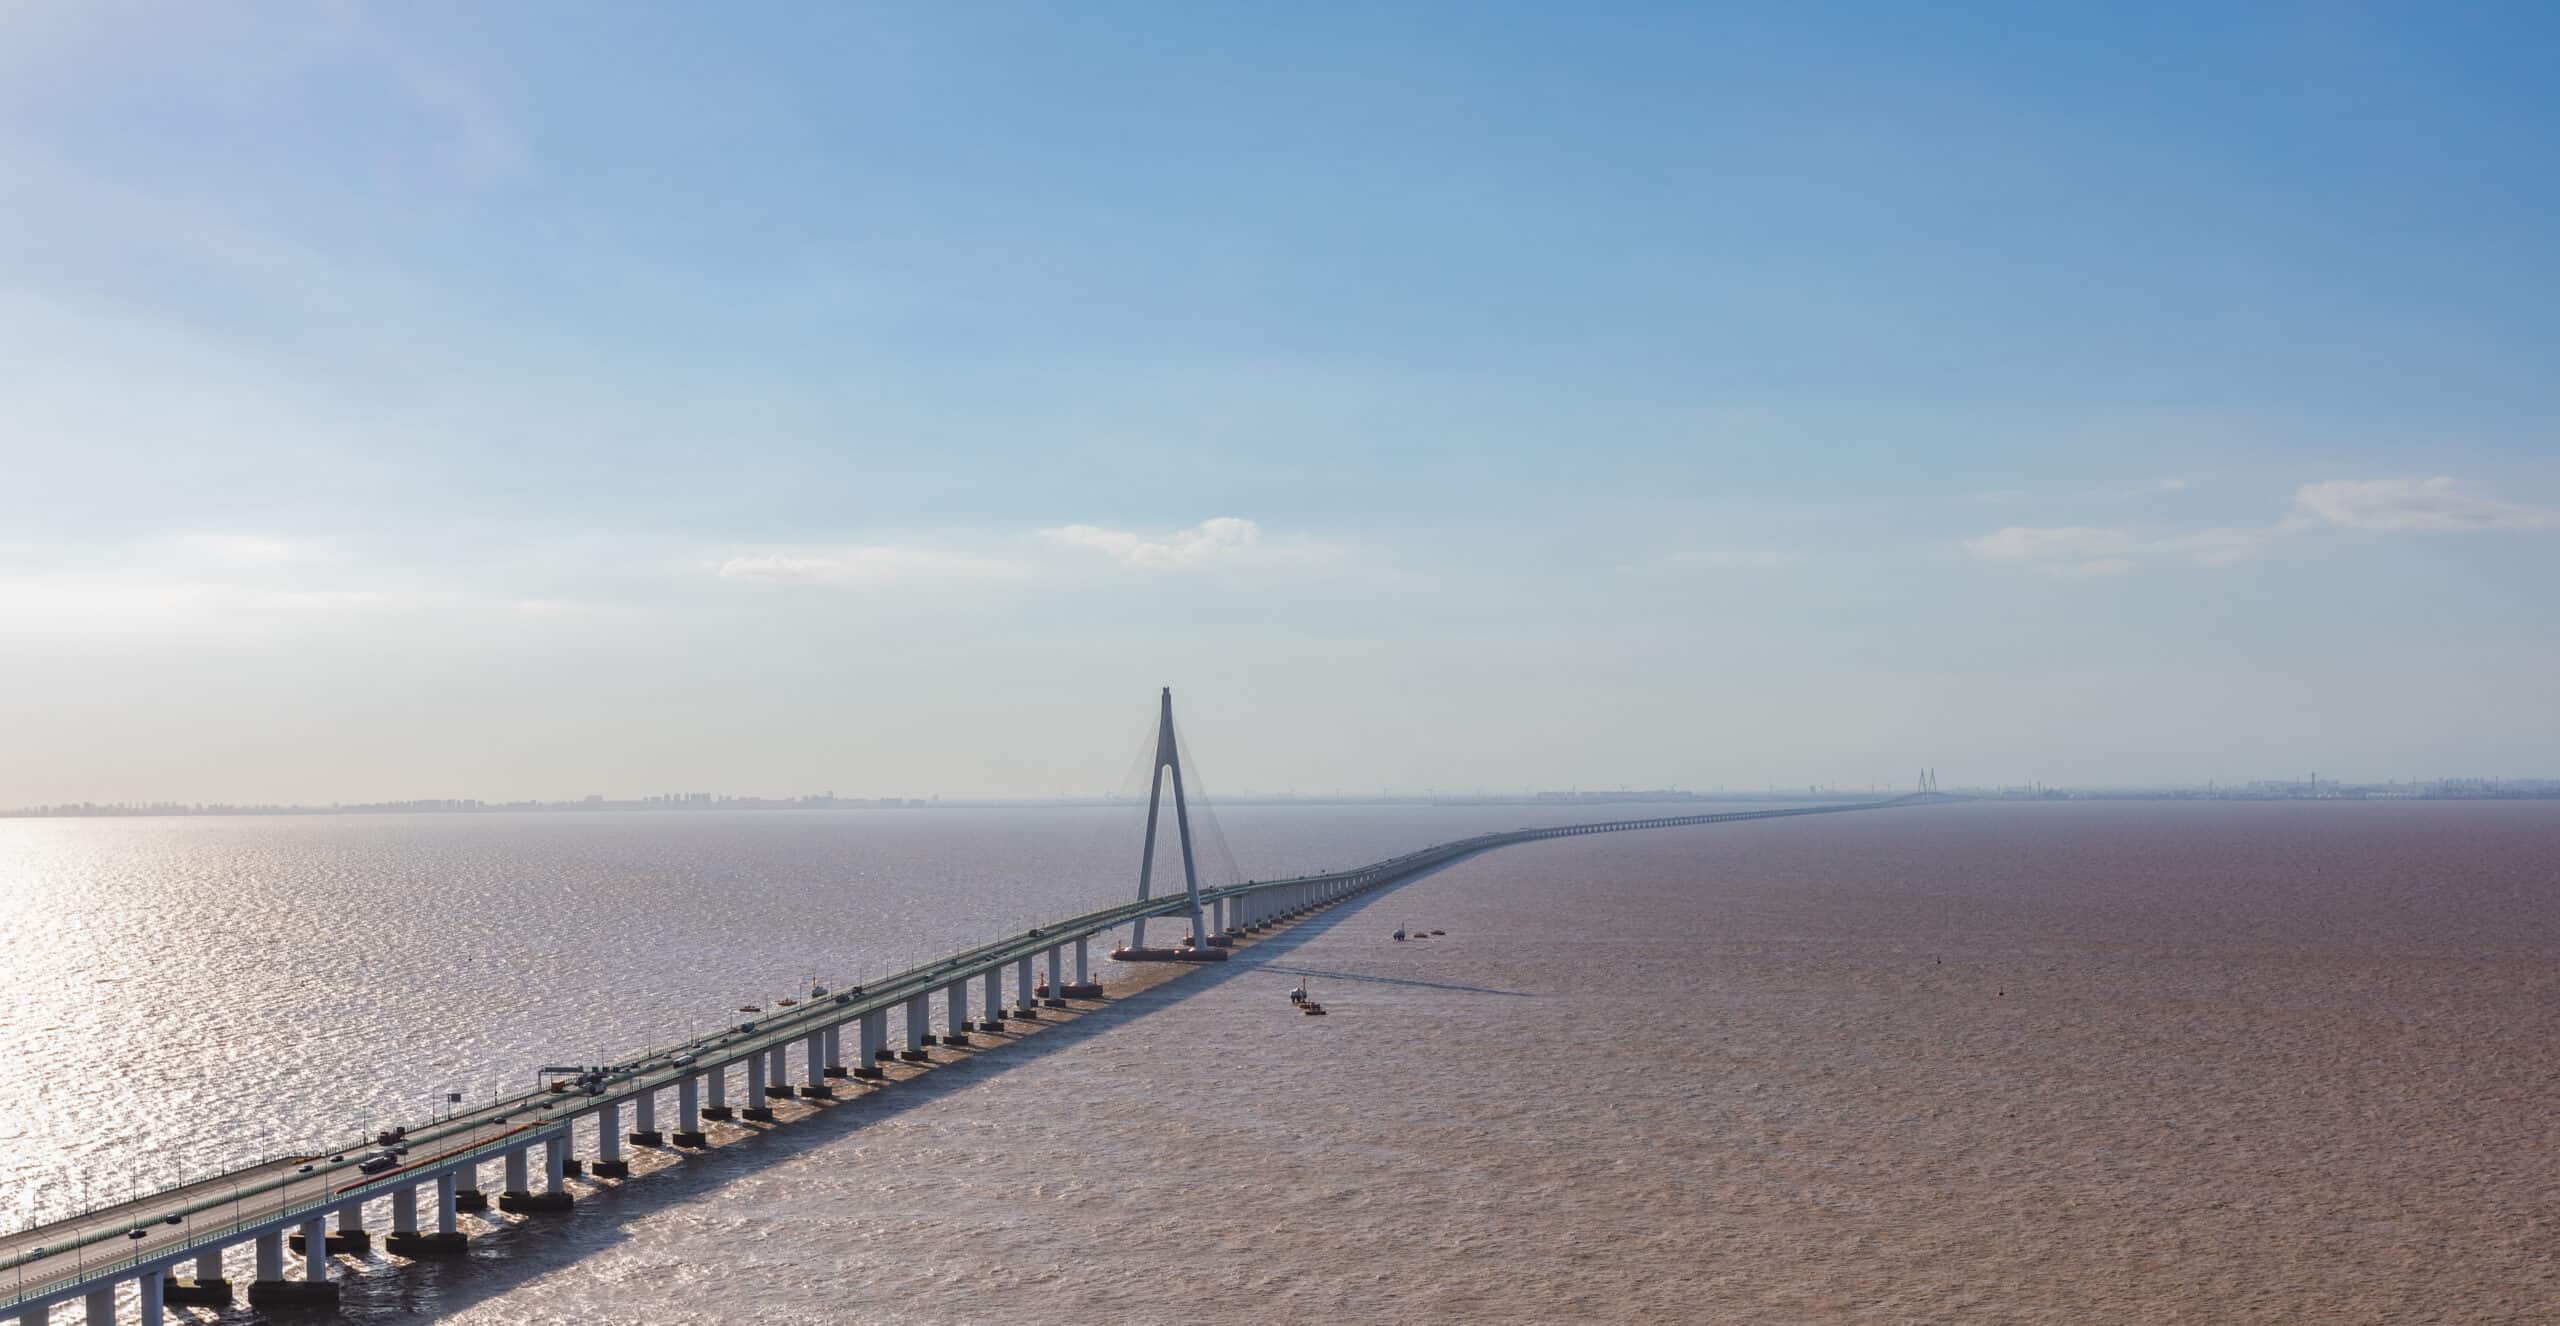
x: 499, y: 403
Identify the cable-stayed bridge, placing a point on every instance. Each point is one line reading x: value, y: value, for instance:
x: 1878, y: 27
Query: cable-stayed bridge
x: 170, y: 1246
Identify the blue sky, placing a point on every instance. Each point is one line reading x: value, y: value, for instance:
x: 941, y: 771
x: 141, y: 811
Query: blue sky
x: 535, y: 400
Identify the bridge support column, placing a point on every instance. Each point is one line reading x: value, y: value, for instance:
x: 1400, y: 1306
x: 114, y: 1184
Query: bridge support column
x: 835, y: 1050
x: 919, y: 1030
x: 813, y: 1076
x: 148, y: 1292
x: 955, y: 1013
x: 314, y: 1287
x: 777, y: 1071
x: 519, y: 1196
x: 406, y: 1240
x: 870, y: 1044
x: 555, y: 1162
x: 208, y: 1288
x: 609, y: 1163
x: 995, y: 1000
x: 1084, y: 960
x: 1057, y: 997
x: 717, y: 1083
x: 757, y: 1111
x: 101, y: 1307
x: 689, y: 1113
x: 644, y: 1122
x: 1024, y: 1006
x: 467, y: 1195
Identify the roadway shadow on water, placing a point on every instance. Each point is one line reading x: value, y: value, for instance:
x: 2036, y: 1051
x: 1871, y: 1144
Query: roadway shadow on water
x: 525, y: 1249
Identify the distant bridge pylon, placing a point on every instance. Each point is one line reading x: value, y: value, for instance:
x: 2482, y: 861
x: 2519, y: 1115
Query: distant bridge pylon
x: 1201, y: 947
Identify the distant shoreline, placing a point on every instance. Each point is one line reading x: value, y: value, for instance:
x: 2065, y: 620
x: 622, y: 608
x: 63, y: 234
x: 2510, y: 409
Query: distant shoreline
x: 2464, y: 790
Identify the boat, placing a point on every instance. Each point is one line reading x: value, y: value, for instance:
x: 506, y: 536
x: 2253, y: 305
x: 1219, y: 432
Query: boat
x: 1399, y: 934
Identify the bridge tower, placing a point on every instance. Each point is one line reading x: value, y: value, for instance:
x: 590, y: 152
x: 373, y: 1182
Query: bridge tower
x: 1168, y: 761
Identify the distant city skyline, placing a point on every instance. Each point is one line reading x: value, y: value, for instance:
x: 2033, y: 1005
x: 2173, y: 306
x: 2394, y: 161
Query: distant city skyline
x: 517, y: 399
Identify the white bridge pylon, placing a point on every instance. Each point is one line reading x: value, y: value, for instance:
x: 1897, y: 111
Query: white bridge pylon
x: 1168, y: 761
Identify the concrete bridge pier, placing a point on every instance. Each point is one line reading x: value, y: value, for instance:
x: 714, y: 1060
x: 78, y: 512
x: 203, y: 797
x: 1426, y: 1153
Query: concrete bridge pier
x: 519, y: 1197
x: 813, y: 1077
x: 871, y: 1044
x: 609, y: 1163
x: 835, y: 1050
x: 314, y: 1287
x: 1024, y: 1006
x: 150, y: 1291
x: 759, y: 1112
x: 467, y: 1195
x: 1084, y: 988
x: 644, y: 1123
x: 955, y: 1013
x: 689, y: 1113
x: 100, y: 1307
x: 1057, y: 996
x: 995, y: 1001
x: 919, y: 1030
x: 717, y: 1083
x: 207, y: 1289
x: 407, y: 1240
x: 777, y: 1073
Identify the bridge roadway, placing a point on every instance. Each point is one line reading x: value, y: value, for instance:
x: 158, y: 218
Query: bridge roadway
x: 147, y: 1239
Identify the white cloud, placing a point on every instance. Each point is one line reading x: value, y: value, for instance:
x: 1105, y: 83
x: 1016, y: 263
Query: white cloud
x: 1219, y: 542
x: 1217, y: 539
x: 873, y: 566
x: 2377, y: 506
x: 2112, y: 550
x: 2416, y: 506
x: 1735, y: 559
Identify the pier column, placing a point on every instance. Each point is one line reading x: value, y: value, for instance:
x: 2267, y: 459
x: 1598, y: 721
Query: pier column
x: 995, y: 999
x: 813, y: 1076
x: 351, y: 1225
x: 404, y: 1210
x: 1024, y: 1006
x: 689, y: 1112
x: 871, y: 1044
x: 609, y: 1163
x: 555, y: 1163
x: 466, y: 1194
x: 835, y: 1050
x: 955, y: 1013
x: 1084, y: 961
x: 1057, y: 982
x: 777, y: 1071
x: 101, y: 1305
x: 150, y: 1291
x: 209, y: 1266
x: 717, y: 1082
x: 644, y: 1120
x: 448, y: 1210
x: 517, y: 1184
x: 315, y: 1250
x: 919, y: 1030
x: 271, y: 1256
x: 756, y: 1109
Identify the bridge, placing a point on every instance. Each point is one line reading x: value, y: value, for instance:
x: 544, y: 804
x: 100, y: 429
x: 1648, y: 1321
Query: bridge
x: 169, y: 1247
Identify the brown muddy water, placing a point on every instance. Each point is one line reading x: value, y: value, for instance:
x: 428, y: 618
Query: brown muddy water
x: 1979, y: 1063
